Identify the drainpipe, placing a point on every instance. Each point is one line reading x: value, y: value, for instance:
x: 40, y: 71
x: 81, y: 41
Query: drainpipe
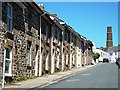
x: 62, y: 50
x: 70, y: 51
x: 52, y: 54
x: 40, y: 62
x: 77, y: 57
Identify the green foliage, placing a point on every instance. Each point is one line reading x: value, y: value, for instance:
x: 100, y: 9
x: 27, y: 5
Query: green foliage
x: 23, y: 78
x: 96, y: 56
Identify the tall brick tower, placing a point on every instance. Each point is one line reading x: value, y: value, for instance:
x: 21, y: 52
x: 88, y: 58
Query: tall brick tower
x: 109, y: 42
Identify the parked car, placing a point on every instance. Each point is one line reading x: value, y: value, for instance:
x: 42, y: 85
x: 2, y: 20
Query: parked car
x: 105, y: 60
x: 118, y: 62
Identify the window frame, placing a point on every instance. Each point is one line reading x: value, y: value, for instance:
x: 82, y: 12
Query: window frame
x: 47, y: 28
x: 36, y: 60
x: 47, y: 60
x: 28, y: 55
x: 10, y: 64
x: 9, y: 18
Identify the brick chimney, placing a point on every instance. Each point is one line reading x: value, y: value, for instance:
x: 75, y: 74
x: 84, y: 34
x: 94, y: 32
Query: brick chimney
x: 109, y: 42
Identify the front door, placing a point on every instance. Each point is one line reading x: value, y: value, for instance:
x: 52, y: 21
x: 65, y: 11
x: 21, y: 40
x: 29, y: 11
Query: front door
x: 36, y: 61
x: 8, y: 61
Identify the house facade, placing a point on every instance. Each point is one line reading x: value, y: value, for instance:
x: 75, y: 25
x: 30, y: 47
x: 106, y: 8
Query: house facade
x: 37, y: 43
x: 21, y: 33
x: 102, y: 53
x: 114, y: 53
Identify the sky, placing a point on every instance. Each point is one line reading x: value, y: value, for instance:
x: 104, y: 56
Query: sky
x: 90, y: 19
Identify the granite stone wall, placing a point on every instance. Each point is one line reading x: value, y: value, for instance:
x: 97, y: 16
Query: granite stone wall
x: 26, y: 30
x: 1, y: 49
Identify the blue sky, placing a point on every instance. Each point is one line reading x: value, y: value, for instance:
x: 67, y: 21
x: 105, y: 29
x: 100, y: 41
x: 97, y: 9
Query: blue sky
x: 88, y: 18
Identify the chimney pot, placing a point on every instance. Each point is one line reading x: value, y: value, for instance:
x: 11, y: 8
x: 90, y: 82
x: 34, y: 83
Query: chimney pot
x: 41, y: 6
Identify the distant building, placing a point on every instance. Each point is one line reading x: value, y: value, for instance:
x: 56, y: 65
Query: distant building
x: 103, y: 54
x: 114, y: 52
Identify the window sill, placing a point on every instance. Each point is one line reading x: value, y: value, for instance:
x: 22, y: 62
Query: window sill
x: 8, y: 74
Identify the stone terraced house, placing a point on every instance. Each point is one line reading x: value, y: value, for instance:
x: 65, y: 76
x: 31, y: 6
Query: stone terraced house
x: 38, y: 43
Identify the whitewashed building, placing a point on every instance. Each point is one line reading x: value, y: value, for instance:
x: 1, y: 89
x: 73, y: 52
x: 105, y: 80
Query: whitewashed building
x: 103, y: 54
x: 114, y: 53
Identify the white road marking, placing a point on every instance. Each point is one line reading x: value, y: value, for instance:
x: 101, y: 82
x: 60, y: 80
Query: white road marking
x: 85, y: 74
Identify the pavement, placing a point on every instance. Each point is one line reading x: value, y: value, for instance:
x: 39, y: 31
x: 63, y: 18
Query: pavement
x: 47, y: 79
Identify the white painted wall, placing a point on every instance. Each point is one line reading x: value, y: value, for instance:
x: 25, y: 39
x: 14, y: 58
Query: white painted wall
x: 114, y: 56
x: 102, y: 53
x: 78, y: 57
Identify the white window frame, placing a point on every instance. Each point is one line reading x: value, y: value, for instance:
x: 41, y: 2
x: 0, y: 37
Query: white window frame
x: 8, y: 17
x: 0, y: 45
x: 10, y: 65
x: 58, y: 58
x: 67, y: 58
x: 47, y: 60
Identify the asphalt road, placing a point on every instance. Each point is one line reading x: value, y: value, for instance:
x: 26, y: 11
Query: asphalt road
x: 100, y: 76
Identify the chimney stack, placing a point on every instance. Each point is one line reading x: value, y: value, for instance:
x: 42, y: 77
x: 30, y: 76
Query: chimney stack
x: 109, y: 42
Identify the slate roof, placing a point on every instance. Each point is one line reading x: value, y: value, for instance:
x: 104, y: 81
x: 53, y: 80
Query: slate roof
x: 113, y: 49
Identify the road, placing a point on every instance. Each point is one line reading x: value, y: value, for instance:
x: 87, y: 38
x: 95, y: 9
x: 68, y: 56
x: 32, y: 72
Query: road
x: 100, y: 76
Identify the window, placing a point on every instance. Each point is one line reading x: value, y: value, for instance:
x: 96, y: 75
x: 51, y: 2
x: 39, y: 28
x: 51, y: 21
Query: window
x: 41, y: 50
x: 58, y: 59
x: 58, y: 37
x: 47, y: 60
x: 101, y: 54
x: 36, y: 61
x: 110, y: 53
x: 36, y: 50
x: 9, y: 17
x: 67, y: 36
x: 0, y: 44
x: 29, y: 53
x: 115, y: 53
x: 53, y: 32
x: 67, y: 58
x: 8, y: 61
x: 46, y: 34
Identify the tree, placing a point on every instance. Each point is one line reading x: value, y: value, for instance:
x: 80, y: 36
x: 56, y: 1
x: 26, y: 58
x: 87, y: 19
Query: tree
x: 96, y: 56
